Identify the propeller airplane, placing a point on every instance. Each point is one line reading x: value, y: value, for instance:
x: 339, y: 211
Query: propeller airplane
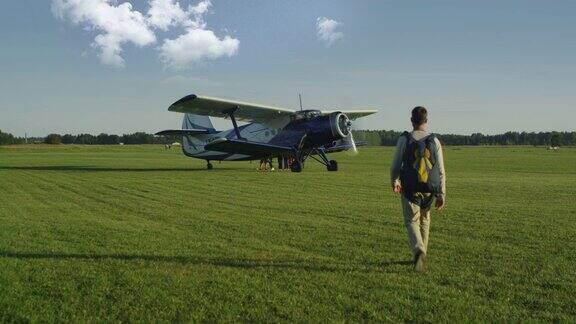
x: 268, y: 132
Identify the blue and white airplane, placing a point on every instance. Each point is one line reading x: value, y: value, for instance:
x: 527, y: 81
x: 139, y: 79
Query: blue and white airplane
x: 269, y: 131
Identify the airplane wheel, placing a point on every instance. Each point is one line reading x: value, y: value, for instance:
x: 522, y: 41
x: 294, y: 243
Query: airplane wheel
x: 209, y: 166
x: 332, y: 165
x: 296, y: 167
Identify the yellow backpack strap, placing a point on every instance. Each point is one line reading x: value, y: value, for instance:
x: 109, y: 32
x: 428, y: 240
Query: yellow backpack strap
x: 422, y: 164
x: 423, y: 159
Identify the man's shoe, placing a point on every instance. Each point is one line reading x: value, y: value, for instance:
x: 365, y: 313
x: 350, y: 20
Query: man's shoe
x: 419, y: 262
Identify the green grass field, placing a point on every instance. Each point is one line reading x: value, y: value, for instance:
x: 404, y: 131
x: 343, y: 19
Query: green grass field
x: 144, y: 234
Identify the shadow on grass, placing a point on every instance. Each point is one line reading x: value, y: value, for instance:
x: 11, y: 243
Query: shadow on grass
x: 222, y: 262
x: 101, y: 169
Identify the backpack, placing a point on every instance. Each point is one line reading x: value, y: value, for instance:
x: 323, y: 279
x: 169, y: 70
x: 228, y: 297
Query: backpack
x: 420, y: 172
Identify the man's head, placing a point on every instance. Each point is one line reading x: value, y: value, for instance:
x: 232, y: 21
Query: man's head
x: 419, y: 117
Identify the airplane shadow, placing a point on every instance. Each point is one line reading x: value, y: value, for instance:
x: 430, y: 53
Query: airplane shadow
x: 222, y: 262
x: 106, y: 169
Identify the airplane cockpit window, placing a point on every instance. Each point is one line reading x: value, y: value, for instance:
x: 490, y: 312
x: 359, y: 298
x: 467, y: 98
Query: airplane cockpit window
x: 306, y: 114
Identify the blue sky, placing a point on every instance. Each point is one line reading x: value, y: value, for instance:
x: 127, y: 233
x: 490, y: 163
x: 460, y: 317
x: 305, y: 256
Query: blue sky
x: 479, y: 66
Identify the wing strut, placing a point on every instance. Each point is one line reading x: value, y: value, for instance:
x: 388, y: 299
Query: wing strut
x: 230, y: 113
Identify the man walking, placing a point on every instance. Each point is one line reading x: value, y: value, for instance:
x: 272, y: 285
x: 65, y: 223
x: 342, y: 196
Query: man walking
x: 417, y: 174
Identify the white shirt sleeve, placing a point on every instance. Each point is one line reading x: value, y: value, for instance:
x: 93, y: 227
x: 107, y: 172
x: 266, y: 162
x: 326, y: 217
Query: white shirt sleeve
x: 441, y: 169
x: 397, y: 161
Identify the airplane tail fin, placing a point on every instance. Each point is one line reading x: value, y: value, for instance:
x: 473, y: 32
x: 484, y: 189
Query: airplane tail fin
x: 194, y: 144
x: 192, y: 121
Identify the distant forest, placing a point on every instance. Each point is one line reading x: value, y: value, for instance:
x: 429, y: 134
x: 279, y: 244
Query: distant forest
x: 371, y: 137
x: 389, y: 138
x: 89, y: 139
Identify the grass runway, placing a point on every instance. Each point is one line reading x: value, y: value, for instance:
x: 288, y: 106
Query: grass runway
x: 139, y: 233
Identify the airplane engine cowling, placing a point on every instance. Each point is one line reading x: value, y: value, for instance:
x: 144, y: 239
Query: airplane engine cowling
x: 327, y: 128
x: 340, y: 125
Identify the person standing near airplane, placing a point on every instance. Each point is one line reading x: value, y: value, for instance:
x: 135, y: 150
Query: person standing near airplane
x: 263, y: 166
x: 280, y: 164
x: 418, y: 175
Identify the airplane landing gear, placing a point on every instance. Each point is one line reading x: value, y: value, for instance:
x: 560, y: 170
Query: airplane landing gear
x: 296, y: 166
x: 332, y: 165
x: 209, y: 165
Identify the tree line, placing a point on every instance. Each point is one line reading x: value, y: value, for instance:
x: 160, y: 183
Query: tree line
x: 110, y: 139
x: 389, y: 138
x: 89, y: 139
x: 371, y: 137
x: 8, y: 139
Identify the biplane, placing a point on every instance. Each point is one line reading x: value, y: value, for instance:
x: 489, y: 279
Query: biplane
x: 267, y: 132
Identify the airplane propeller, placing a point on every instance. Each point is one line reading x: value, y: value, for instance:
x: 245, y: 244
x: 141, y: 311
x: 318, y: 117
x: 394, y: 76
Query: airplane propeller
x: 353, y: 150
x: 350, y: 140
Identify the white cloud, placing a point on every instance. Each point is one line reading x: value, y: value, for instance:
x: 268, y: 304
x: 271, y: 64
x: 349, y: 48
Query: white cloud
x: 166, y: 13
x: 326, y: 30
x: 199, y: 11
x: 117, y: 24
x: 194, y: 46
x: 197, y: 43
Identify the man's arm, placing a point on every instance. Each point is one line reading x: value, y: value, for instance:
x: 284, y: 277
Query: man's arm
x: 441, y: 169
x: 397, y: 162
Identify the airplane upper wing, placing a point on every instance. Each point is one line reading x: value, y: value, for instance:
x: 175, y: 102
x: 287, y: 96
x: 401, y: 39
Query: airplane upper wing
x: 208, y: 106
x: 352, y: 114
x: 243, y: 111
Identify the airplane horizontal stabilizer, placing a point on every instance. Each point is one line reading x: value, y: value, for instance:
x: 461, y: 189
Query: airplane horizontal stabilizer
x: 255, y: 149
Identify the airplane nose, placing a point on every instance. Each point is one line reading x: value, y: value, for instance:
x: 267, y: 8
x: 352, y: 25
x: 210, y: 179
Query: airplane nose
x: 344, y: 124
x: 340, y: 124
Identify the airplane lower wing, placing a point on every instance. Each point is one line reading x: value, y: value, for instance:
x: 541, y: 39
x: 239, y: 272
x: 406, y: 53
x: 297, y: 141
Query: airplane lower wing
x: 344, y: 147
x: 183, y: 132
x: 246, y: 147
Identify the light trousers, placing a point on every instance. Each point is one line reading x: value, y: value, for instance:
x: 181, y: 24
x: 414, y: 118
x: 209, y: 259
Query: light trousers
x: 417, y: 221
